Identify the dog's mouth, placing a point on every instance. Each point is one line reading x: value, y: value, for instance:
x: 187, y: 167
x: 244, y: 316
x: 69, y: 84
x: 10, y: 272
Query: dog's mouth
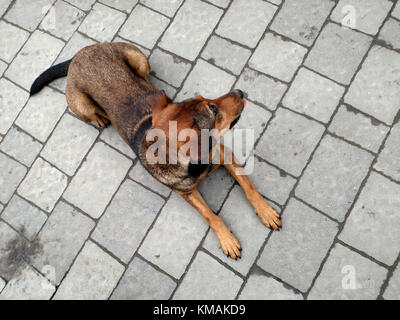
x: 234, y: 122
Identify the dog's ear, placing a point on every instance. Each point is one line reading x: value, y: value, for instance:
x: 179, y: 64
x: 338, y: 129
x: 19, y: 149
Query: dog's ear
x: 158, y: 101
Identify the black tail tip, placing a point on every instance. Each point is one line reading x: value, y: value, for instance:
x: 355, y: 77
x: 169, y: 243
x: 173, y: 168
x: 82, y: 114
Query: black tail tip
x: 35, y: 88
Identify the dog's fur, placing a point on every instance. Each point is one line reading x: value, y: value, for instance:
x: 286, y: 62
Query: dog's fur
x: 109, y: 82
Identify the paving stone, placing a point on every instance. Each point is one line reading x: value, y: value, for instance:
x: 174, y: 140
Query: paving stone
x: 36, y: 56
x: 24, y: 217
x: 260, y: 88
x: 226, y: 54
x: 379, y: 81
x: 42, y: 113
x: 190, y: 29
x: 332, y: 179
x: 261, y: 287
x: 111, y: 137
x: 207, y: 81
x: 396, y: 11
x: 12, y: 39
x: 374, y: 221
x: 368, y: 14
x: 140, y: 174
x: 142, y: 282
x: 392, y: 292
x: 168, y: 68
x: 144, y: 26
x: 82, y: 4
x: 60, y: 241
x: 301, y: 21
x: 69, y: 143
x: 3, y: 8
x: 3, y: 67
x: 102, y: 23
x: 278, y: 2
x: 172, y: 241
x: 390, y: 33
x: 306, y: 236
x: 62, y: 20
x: 220, y: 3
x: 389, y: 159
x: 11, y: 174
x: 313, y: 95
x: 208, y: 279
x: 346, y: 275
x: 28, y: 14
x: 240, y: 218
x: 12, y: 100
x: 27, y: 284
x: 43, y: 185
x: 99, y: 176
x: 20, y: 146
x: 289, y: 141
x: 93, y: 276
x: 124, y: 225
x: 338, y: 52
x: 168, y: 8
x: 357, y: 128
x: 161, y: 85
x: 2, y: 284
x: 245, y: 21
x: 145, y: 51
x: 123, y: 5
x: 271, y: 182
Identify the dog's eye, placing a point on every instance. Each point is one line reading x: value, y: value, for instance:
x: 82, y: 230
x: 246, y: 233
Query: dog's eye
x: 214, y: 109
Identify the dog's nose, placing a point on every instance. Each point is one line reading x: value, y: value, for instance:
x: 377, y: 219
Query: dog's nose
x: 240, y: 93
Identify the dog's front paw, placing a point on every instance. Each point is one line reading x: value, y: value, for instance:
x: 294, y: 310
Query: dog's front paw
x: 229, y: 244
x: 268, y: 215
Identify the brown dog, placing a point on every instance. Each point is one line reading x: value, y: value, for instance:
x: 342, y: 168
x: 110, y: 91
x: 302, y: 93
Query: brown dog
x: 109, y: 82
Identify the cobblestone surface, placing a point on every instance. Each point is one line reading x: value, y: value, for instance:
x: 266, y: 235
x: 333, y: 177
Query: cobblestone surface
x: 80, y: 217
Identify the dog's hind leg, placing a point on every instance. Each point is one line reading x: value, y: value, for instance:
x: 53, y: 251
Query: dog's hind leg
x: 135, y: 59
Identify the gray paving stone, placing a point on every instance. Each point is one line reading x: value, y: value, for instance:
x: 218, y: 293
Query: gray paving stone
x: 261, y: 287
x: 140, y: 174
x: 99, y: 176
x: 3, y: 67
x: 357, y: 128
x: 123, y: 5
x: 390, y: 33
x: 28, y: 14
x: 346, y: 275
x: 277, y: 57
x: 4, y: 6
x: 12, y: 100
x: 289, y: 141
x: 369, y: 14
x: 278, y: 2
x: 208, y: 279
x: 111, y: 137
x: 168, y: 8
x: 373, y: 223
x: 24, y: 217
x: 161, y: 85
x: 60, y: 241
x: 302, y: 20
x: 260, y: 88
x: 144, y: 26
x: 77, y: 42
x: 220, y: 3
x: 172, y: 241
x: 306, y: 236
x: 93, y: 276
x: 27, y: 284
x: 240, y: 218
x: 396, y: 11
x: 2, y: 284
x: 37, y: 55
x: 245, y: 21
x: 338, y: 52
x: 124, y: 224
x: 332, y: 179
x: 226, y: 54
x: 62, y: 20
x: 207, y: 81
x: 271, y: 182
x: 313, y: 95
x: 43, y: 185
x: 69, y: 143
x: 82, y: 4
x: 190, y: 29
x: 142, y: 282
x: 379, y: 81
x: 392, y: 292
x: 42, y: 113
x: 168, y: 68
x: 12, y: 39
x: 20, y: 146
x: 102, y: 23
x: 11, y: 174
x: 389, y: 159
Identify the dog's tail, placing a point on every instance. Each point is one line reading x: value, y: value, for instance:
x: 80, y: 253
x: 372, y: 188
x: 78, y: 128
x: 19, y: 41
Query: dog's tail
x: 58, y: 71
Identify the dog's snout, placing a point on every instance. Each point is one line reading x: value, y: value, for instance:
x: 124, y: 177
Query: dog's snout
x: 239, y: 93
